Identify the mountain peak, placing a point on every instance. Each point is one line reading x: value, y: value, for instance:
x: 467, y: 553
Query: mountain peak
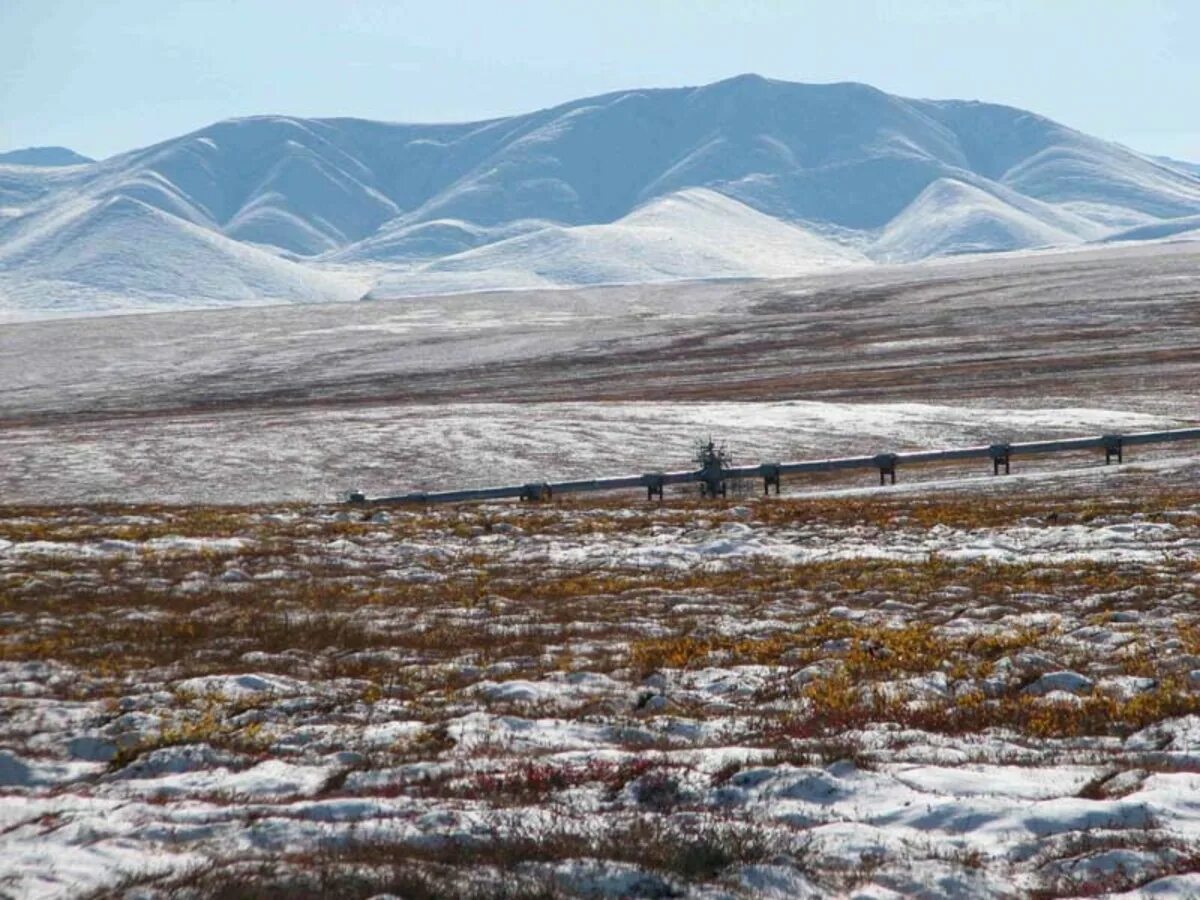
x: 44, y: 156
x: 627, y: 185
x: 752, y: 81
x: 744, y: 79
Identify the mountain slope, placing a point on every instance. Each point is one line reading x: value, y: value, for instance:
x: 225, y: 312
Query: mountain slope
x: 691, y: 234
x: 840, y: 155
x: 400, y: 243
x: 122, y: 247
x: 1050, y: 162
x: 1179, y: 165
x: 1185, y: 227
x: 951, y: 217
x: 44, y: 156
x: 842, y: 161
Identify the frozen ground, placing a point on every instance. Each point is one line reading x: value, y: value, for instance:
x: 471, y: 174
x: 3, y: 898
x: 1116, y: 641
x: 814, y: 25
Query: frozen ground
x: 305, y: 402
x: 1090, y: 326
x: 320, y: 453
x: 961, y: 686
x: 884, y: 697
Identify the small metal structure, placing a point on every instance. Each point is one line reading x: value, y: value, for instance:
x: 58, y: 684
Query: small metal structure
x: 714, y: 472
x: 887, y: 467
x: 1001, y: 456
x: 1114, y: 444
x: 537, y: 492
x: 771, y: 474
x: 714, y: 463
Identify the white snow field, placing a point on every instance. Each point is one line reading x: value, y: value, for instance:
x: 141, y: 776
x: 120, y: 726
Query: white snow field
x: 747, y: 176
x: 134, y: 255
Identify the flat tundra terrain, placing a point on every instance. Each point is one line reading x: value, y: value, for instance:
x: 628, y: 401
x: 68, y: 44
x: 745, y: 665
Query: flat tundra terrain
x: 952, y: 693
x: 219, y: 683
x: 305, y: 402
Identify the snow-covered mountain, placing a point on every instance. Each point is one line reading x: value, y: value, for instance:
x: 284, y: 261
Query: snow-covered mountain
x: 44, y: 156
x: 693, y: 233
x: 952, y: 216
x: 743, y: 177
x: 1189, y: 168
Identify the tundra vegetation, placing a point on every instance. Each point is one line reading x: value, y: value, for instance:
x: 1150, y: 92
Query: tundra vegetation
x: 949, y: 694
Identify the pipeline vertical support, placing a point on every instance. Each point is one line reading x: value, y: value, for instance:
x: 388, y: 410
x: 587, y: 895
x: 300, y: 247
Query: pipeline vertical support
x: 770, y: 478
x: 1113, y: 446
x: 1001, y: 456
x: 886, y: 463
x: 537, y: 492
x: 712, y: 480
x: 654, y: 485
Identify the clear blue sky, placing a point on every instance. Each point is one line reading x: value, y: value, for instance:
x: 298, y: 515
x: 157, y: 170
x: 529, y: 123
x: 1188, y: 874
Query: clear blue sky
x: 102, y: 76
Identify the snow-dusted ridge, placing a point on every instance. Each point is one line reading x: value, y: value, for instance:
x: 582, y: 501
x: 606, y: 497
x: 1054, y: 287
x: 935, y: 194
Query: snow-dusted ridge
x: 44, y: 156
x: 692, y: 234
x: 744, y: 177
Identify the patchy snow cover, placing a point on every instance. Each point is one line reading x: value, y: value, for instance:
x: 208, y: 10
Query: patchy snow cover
x: 117, y: 548
x: 521, y: 695
x: 235, y: 457
x: 240, y: 686
x: 734, y: 543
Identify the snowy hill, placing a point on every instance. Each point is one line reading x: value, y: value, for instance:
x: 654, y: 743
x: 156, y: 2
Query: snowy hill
x: 594, y: 190
x: 1188, y: 168
x: 951, y: 217
x: 1183, y: 228
x: 692, y: 234
x: 130, y: 255
x: 43, y: 156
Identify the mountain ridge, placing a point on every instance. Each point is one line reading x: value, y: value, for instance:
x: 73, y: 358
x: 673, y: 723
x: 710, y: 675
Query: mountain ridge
x: 842, y: 162
x: 52, y: 157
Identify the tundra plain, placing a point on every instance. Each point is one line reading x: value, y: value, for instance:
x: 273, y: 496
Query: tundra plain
x: 219, y: 682
x: 951, y: 694
x: 305, y: 402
